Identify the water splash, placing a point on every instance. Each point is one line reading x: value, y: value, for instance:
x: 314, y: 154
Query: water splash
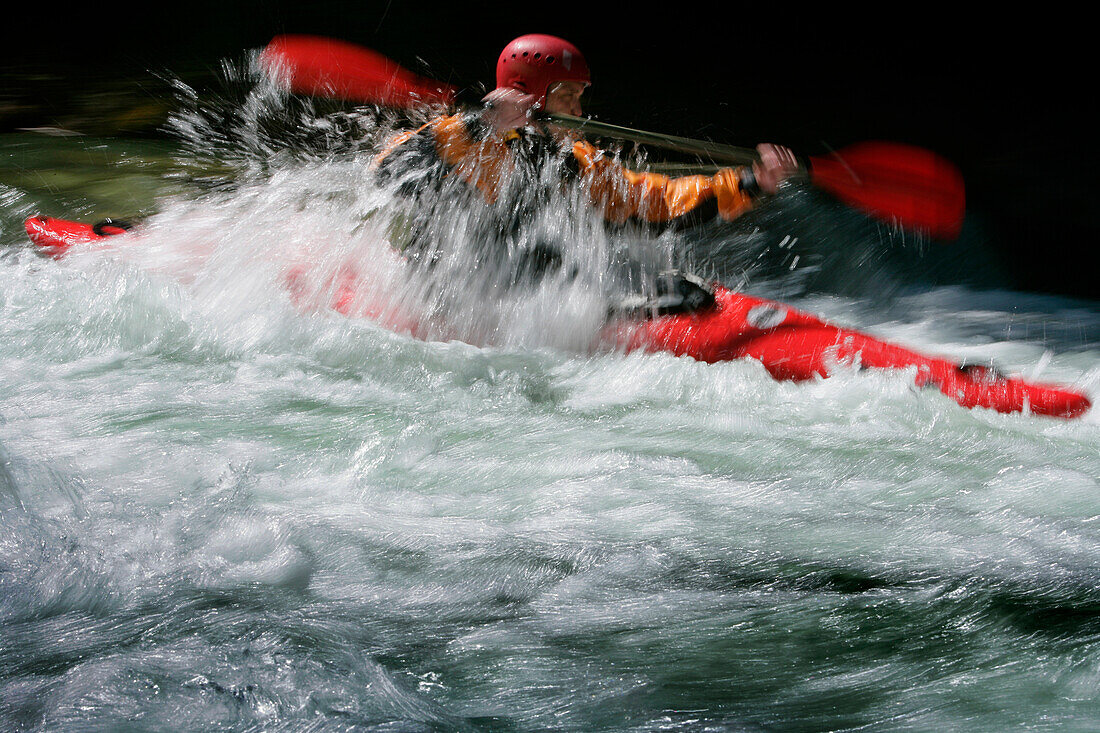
x: 302, y: 217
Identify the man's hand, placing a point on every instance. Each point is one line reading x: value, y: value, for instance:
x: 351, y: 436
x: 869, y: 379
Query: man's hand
x: 508, y: 109
x: 776, y: 165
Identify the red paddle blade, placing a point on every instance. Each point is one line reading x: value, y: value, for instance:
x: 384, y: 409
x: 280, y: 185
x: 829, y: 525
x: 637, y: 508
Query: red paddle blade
x: 911, y: 186
x: 324, y: 67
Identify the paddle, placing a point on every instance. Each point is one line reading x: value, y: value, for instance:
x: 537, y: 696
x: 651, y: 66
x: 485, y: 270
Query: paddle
x: 323, y: 67
x: 911, y: 186
x: 901, y: 184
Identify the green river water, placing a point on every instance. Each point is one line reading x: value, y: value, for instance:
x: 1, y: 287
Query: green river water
x: 218, y: 512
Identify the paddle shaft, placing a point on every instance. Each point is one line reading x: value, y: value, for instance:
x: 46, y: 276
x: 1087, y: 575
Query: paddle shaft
x: 715, y: 151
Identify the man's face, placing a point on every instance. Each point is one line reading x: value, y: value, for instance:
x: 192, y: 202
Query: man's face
x: 564, y: 98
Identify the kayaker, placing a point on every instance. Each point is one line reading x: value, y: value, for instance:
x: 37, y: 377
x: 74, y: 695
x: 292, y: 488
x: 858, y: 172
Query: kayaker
x: 501, y: 151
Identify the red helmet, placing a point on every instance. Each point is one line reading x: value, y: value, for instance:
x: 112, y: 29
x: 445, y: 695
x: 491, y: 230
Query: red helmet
x: 534, y: 62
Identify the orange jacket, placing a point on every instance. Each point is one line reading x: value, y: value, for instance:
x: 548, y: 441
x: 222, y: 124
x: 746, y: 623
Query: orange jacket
x: 482, y: 160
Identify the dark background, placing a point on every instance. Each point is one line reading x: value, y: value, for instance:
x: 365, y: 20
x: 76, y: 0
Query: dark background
x: 1009, y: 97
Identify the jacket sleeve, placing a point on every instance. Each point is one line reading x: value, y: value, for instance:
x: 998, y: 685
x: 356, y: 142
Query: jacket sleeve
x: 625, y: 194
x: 409, y: 162
x: 421, y: 159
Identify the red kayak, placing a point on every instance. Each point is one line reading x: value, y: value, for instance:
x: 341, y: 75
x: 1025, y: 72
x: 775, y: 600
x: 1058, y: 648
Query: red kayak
x: 791, y: 344
x: 56, y: 237
x: 794, y: 345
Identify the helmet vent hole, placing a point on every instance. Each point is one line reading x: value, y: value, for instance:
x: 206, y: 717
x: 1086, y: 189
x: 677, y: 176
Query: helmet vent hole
x: 549, y: 59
